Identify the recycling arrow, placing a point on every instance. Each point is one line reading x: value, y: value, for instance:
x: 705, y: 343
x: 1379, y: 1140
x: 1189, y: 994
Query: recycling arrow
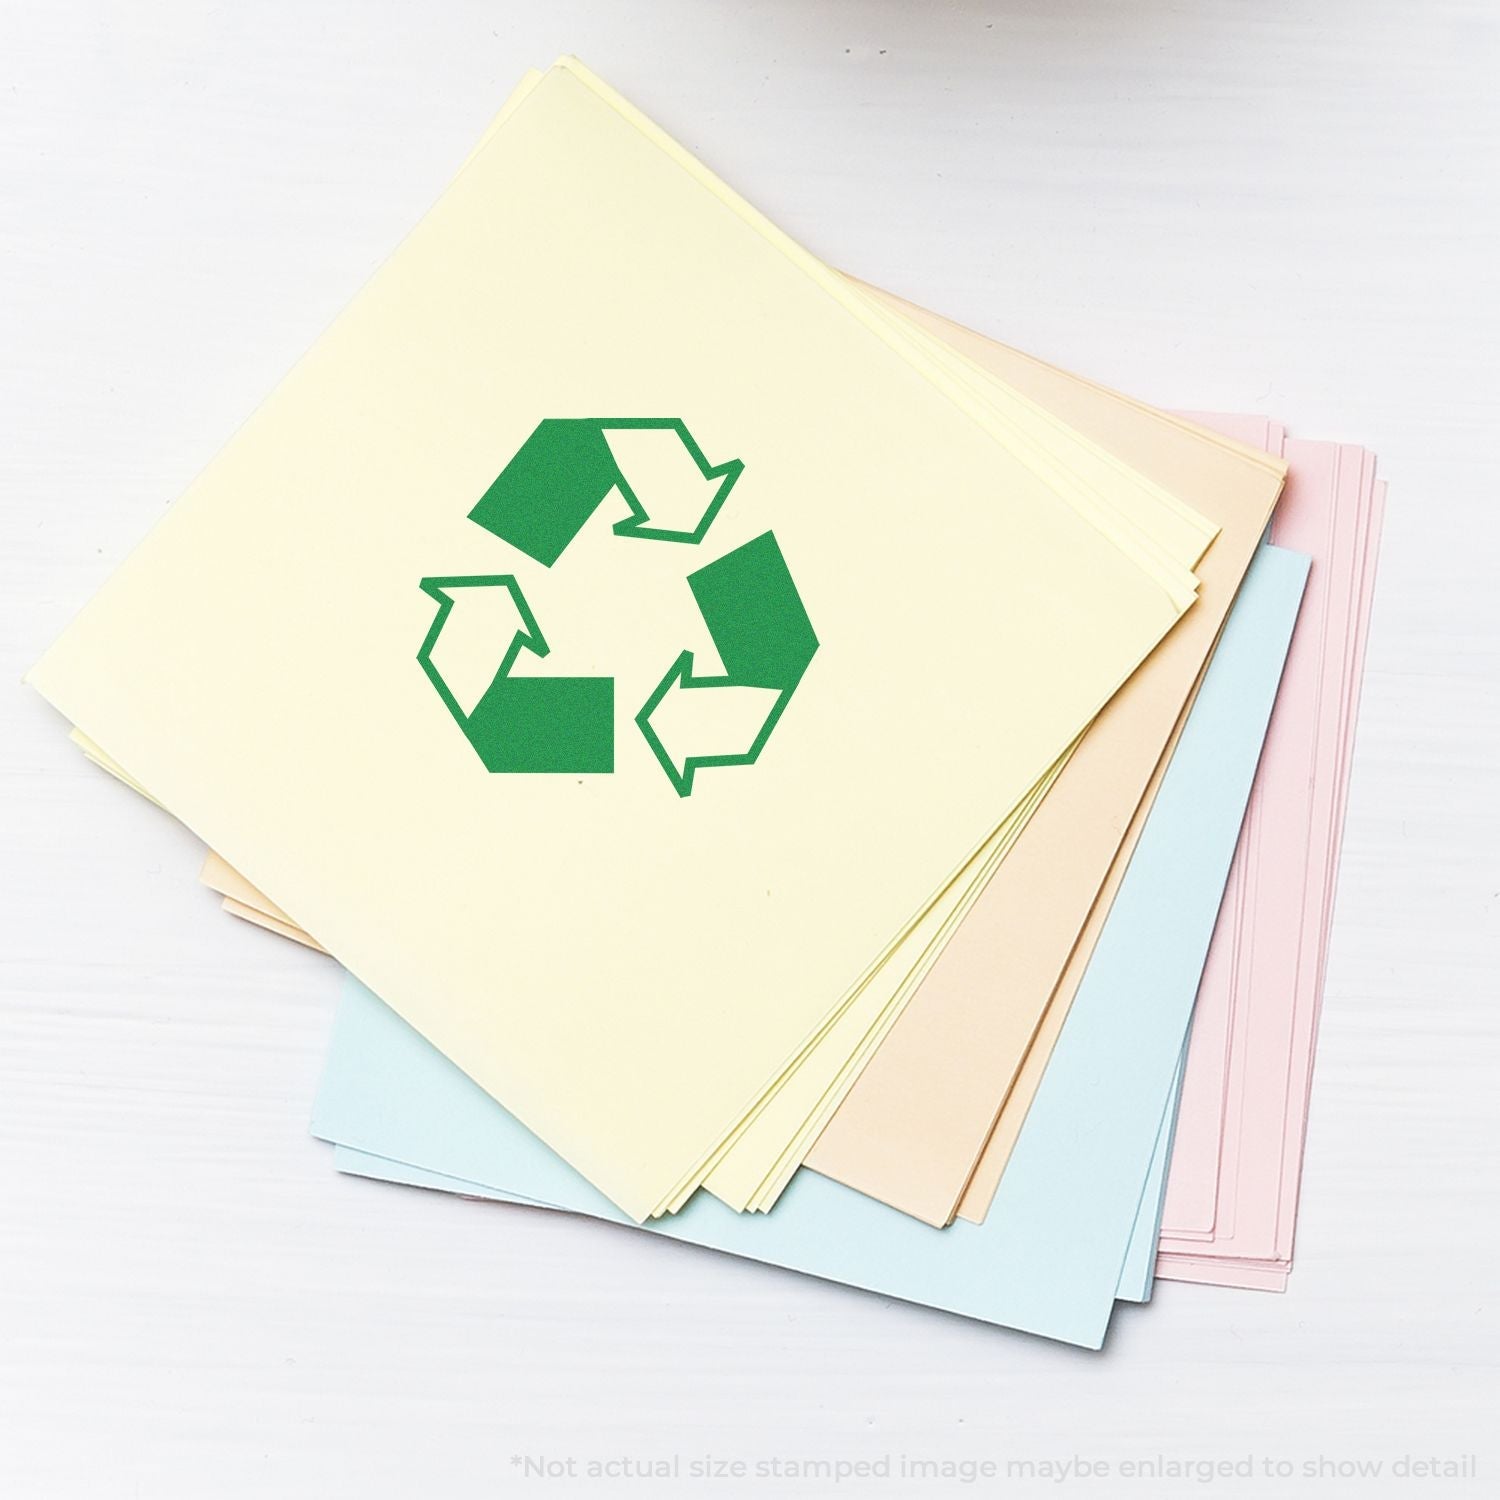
x: 537, y: 724
x: 765, y: 642
x: 564, y: 471
x: 692, y: 721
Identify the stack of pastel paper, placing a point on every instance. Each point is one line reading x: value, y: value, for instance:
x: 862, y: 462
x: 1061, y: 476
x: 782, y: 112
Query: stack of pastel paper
x: 775, y: 755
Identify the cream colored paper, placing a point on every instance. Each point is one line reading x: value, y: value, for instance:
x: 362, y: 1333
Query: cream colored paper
x: 628, y: 972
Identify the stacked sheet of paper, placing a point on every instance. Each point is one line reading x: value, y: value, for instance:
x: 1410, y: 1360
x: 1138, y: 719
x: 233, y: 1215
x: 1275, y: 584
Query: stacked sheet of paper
x: 728, y: 720
x: 1232, y: 1188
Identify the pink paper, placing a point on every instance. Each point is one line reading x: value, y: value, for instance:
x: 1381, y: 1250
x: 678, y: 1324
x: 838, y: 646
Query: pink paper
x: 1235, y: 1172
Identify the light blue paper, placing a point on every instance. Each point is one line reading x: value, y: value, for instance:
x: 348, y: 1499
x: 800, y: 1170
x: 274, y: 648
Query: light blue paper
x: 1134, y: 1286
x: 1050, y: 1255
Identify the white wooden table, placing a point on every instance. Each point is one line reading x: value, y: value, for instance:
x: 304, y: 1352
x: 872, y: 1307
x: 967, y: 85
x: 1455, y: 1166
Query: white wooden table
x: 1282, y: 206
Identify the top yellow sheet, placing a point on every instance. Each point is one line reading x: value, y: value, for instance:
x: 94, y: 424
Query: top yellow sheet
x: 629, y: 927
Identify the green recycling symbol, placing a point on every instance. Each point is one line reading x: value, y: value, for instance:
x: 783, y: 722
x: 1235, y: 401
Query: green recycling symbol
x: 542, y: 499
